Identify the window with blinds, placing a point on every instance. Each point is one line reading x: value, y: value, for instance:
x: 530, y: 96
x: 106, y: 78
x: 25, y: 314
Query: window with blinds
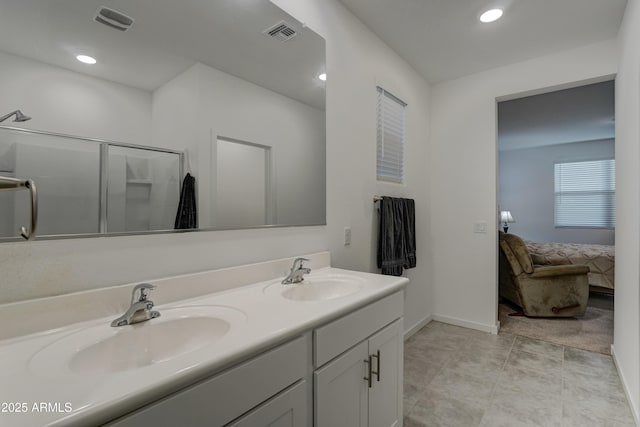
x: 390, y: 135
x: 585, y: 194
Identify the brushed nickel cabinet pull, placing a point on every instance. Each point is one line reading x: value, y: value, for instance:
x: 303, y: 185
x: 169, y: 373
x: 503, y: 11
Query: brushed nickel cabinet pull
x: 377, y: 371
x: 369, y: 378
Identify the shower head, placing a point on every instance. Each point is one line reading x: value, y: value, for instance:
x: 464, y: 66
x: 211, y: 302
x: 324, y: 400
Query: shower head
x: 19, y: 117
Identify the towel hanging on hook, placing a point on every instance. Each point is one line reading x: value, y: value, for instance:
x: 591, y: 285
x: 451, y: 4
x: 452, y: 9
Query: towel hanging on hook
x: 187, y: 215
x: 187, y: 161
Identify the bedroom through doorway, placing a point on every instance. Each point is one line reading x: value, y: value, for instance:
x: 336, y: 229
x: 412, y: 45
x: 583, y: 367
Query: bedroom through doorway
x: 556, y: 198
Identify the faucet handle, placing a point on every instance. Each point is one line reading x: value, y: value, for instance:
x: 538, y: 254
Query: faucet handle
x: 143, y: 288
x: 299, y: 262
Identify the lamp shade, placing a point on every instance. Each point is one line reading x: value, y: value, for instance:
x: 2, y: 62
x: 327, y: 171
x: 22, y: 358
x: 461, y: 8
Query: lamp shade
x: 505, y: 216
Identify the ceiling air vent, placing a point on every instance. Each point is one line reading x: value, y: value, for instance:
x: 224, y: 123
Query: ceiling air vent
x: 281, y: 31
x: 114, y: 19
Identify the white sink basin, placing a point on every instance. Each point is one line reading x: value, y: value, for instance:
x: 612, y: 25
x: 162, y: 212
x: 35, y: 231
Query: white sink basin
x: 103, y: 349
x: 317, y: 288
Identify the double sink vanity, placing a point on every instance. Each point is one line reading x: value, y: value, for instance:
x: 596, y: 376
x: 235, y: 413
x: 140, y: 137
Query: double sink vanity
x: 233, y: 347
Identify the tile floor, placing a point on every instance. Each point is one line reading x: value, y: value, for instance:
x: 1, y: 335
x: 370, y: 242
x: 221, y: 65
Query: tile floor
x: 458, y: 377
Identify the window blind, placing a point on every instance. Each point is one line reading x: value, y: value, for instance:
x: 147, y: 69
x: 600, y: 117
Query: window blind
x: 585, y: 194
x: 390, y: 137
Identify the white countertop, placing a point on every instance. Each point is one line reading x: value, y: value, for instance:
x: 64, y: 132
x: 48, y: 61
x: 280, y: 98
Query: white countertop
x: 87, y: 399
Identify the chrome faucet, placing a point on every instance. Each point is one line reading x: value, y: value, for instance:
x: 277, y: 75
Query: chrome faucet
x: 140, y: 309
x: 296, y: 275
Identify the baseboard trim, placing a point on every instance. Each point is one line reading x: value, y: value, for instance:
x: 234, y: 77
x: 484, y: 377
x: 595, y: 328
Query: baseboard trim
x: 415, y: 328
x: 492, y: 329
x: 634, y: 409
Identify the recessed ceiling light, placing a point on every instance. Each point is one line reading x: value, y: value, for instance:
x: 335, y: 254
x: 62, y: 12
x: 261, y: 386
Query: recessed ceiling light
x: 491, y: 15
x: 323, y: 77
x: 86, y: 59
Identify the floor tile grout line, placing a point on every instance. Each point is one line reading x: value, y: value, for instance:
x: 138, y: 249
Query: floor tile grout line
x: 504, y: 364
x: 406, y: 413
x: 562, y: 386
x: 495, y: 385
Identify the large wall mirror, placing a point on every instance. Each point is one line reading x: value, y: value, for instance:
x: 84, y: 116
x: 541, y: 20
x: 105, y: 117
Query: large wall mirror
x: 224, y: 91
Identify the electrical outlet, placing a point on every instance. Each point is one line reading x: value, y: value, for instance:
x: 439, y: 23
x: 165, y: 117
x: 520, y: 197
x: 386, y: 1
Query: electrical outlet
x: 347, y: 236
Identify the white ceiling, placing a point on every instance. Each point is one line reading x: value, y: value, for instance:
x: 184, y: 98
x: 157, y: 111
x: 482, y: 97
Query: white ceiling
x: 443, y: 39
x: 584, y: 113
x: 166, y: 38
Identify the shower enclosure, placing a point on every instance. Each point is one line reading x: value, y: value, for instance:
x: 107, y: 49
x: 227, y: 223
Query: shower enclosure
x: 88, y: 186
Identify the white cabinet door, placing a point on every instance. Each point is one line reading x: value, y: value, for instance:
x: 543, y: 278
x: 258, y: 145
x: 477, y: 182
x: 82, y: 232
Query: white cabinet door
x: 341, y: 391
x: 385, y: 394
x: 287, y: 409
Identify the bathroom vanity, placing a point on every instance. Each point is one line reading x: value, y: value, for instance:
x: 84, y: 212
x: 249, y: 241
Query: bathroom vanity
x: 324, y: 352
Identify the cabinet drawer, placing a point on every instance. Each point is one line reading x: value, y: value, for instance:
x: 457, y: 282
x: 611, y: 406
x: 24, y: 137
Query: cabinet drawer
x: 338, y: 336
x: 287, y: 409
x: 219, y: 400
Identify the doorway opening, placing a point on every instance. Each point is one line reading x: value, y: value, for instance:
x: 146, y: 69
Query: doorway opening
x: 242, y: 193
x: 556, y: 192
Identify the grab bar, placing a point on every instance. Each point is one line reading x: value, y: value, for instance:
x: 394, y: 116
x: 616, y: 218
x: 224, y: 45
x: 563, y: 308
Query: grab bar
x: 7, y: 183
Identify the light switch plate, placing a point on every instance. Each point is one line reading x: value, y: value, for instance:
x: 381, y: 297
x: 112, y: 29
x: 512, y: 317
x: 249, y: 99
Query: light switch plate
x: 347, y: 236
x: 480, y: 227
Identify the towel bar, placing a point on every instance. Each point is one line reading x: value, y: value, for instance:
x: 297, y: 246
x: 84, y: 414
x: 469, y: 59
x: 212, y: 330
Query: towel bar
x: 7, y: 183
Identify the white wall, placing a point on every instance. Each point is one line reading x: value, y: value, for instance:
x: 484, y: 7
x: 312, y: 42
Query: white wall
x: 356, y: 60
x: 218, y: 104
x: 464, y: 174
x: 626, y: 333
x: 67, y: 102
x: 526, y: 189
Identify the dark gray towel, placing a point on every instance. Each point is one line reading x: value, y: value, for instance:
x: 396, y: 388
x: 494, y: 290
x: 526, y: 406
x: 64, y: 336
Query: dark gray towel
x: 187, y: 216
x: 396, y: 236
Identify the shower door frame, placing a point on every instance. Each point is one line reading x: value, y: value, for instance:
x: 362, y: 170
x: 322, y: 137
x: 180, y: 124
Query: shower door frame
x: 103, y: 181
